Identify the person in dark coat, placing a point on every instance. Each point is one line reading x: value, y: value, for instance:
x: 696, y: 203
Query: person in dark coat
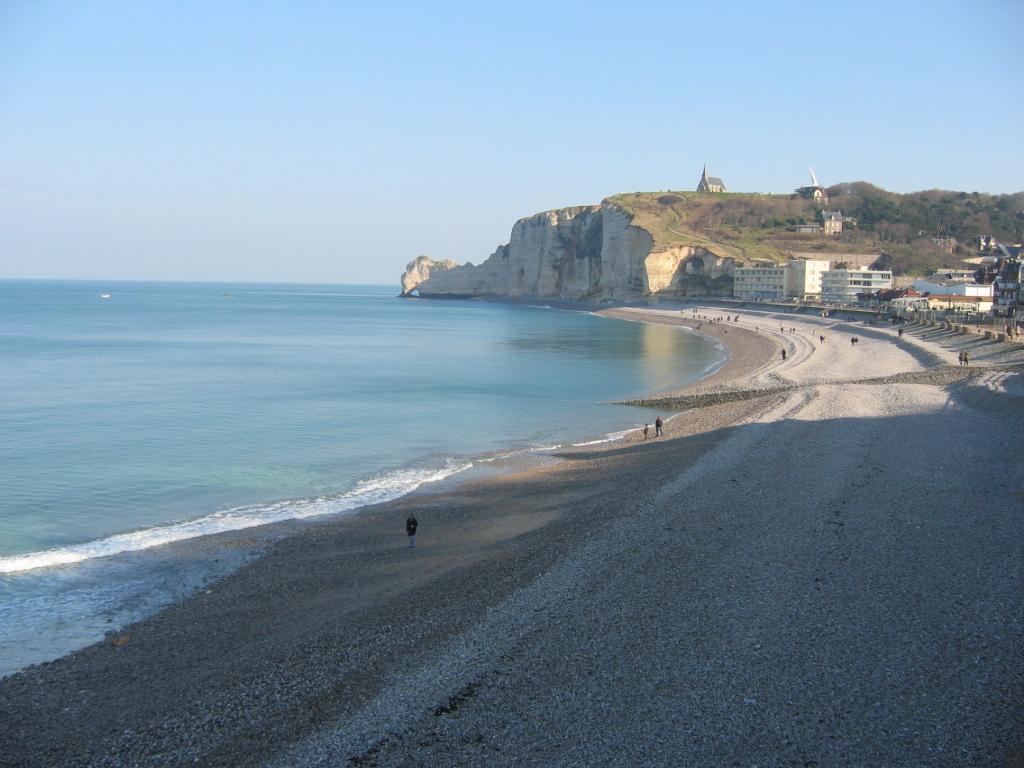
x: 410, y: 528
x: 657, y: 427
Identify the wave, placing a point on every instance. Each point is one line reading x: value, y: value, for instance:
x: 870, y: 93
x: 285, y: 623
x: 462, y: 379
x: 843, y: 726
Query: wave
x: 378, y: 489
x: 611, y: 437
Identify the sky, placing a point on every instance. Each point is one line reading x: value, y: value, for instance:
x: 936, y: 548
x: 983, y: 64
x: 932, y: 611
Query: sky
x: 334, y: 142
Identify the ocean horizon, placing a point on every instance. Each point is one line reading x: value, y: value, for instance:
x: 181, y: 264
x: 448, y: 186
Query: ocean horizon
x: 171, y: 411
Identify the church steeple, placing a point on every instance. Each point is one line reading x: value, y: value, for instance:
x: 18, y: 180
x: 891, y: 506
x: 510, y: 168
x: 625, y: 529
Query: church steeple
x: 710, y: 183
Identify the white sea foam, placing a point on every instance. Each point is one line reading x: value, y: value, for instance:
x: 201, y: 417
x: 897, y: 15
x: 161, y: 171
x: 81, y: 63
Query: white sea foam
x: 375, y: 490
x: 499, y: 457
x: 623, y: 434
x: 611, y: 437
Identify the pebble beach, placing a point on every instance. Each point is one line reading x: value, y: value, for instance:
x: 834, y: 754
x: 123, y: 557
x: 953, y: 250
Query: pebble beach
x: 820, y: 564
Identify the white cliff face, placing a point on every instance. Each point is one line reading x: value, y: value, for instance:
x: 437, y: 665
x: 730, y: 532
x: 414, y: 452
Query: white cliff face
x: 683, y: 270
x: 420, y: 269
x: 584, y: 253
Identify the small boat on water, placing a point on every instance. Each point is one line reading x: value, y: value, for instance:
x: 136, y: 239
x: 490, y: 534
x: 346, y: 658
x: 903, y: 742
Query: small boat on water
x: 105, y: 296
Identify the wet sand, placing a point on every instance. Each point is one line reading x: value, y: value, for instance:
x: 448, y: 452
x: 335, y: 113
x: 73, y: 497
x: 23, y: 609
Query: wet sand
x: 340, y: 645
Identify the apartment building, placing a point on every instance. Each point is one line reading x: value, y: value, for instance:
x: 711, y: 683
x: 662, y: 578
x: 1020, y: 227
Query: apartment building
x: 759, y: 283
x: 803, y: 276
x: 764, y: 282
x: 844, y: 285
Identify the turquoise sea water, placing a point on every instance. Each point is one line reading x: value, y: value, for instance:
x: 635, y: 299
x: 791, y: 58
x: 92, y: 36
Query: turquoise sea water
x: 173, y: 410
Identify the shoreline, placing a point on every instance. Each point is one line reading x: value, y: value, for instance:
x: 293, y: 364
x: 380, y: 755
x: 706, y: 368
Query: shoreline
x: 747, y: 351
x: 239, y: 545
x: 338, y: 613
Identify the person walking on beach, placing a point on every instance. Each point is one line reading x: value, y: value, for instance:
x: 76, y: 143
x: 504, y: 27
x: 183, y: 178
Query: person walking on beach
x: 967, y: 360
x: 899, y: 332
x: 821, y: 339
x: 657, y: 427
x: 647, y: 431
x: 411, y: 524
x: 783, y: 355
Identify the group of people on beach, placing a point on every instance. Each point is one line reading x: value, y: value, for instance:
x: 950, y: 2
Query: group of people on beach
x: 657, y: 428
x: 964, y: 358
x: 710, y: 319
x: 715, y: 320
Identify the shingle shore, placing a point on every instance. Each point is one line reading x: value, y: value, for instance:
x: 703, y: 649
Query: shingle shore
x: 829, y: 575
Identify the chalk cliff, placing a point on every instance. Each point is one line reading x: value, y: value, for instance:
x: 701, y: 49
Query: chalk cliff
x: 588, y: 253
x: 420, y: 269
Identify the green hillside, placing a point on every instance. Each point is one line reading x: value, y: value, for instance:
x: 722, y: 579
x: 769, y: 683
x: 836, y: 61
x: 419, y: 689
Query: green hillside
x: 756, y: 226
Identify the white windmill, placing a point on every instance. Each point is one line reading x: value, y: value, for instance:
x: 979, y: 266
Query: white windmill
x: 815, y: 191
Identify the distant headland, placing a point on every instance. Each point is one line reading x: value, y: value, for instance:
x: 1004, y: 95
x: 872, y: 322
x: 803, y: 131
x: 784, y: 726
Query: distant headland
x: 676, y: 244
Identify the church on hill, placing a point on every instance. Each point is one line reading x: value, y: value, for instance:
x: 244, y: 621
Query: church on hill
x: 710, y: 183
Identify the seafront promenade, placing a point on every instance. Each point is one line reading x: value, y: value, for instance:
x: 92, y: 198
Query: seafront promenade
x: 825, y: 572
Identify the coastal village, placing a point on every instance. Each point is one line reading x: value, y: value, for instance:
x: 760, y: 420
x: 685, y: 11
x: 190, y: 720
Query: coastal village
x: 493, y: 385
x: 990, y: 287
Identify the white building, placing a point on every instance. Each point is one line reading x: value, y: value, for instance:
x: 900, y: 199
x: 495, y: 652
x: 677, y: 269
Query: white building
x: 955, y: 294
x: 759, y: 283
x: 710, y: 183
x: 952, y: 287
x: 798, y: 277
x: 803, y: 276
x: 844, y: 285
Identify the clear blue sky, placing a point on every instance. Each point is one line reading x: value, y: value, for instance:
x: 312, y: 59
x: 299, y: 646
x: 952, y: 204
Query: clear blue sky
x: 332, y: 142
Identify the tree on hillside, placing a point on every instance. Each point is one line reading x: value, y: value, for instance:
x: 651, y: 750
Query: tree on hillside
x: 932, y: 212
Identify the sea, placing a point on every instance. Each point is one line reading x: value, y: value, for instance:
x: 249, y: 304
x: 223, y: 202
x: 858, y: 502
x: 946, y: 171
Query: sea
x: 136, y: 415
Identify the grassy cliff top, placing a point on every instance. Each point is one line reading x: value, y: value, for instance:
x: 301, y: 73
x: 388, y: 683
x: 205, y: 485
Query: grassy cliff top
x: 759, y: 226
